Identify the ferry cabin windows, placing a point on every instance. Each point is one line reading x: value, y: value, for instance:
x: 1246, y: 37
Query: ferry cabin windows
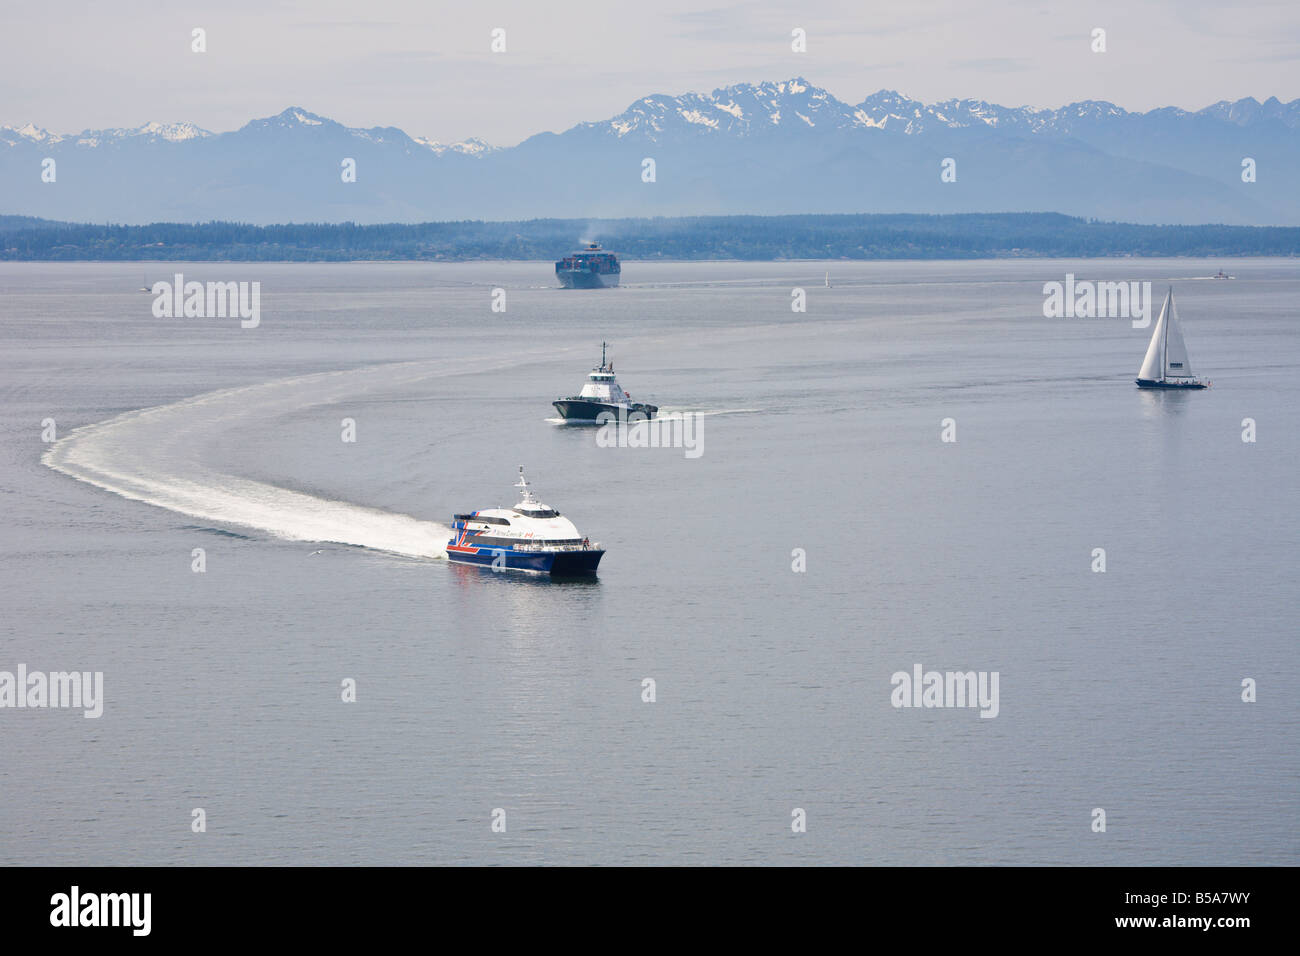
x: 483, y: 519
x: 522, y: 512
x: 486, y: 540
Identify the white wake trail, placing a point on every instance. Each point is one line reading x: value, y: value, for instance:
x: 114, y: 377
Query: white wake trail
x: 153, y: 455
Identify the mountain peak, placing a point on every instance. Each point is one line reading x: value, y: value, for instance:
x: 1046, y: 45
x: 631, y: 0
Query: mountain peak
x: 293, y: 118
x: 172, y: 132
x: 1248, y: 110
x: 469, y: 147
x: 301, y: 117
x: 32, y: 133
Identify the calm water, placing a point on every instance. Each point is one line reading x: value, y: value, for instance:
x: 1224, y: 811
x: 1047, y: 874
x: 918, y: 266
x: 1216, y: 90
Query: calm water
x: 476, y: 691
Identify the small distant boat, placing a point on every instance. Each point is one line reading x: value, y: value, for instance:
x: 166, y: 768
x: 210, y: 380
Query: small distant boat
x: 1222, y: 275
x: 146, y: 287
x: 1166, y: 364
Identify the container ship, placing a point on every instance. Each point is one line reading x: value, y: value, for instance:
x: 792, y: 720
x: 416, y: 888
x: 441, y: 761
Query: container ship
x: 589, y: 268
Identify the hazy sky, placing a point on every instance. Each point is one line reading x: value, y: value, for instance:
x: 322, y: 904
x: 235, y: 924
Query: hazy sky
x: 426, y: 66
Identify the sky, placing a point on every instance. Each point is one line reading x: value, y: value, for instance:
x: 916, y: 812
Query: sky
x: 427, y: 67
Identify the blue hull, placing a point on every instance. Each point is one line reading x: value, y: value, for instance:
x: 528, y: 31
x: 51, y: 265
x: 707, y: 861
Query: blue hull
x: 555, y: 563
x: 1148, y: 383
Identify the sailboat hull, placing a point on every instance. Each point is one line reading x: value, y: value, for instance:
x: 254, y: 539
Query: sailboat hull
x: 1148, y: 383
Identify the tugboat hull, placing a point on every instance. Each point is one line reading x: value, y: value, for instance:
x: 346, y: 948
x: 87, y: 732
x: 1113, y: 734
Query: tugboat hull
x: 576, y: 410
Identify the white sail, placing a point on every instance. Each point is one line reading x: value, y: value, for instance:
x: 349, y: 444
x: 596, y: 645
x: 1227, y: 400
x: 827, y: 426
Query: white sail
x: 1153, y: 366
x: 1176, y: 361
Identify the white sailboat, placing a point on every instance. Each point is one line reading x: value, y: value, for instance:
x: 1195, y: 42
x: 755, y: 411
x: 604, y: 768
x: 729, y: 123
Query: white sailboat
x: 1166, y: 364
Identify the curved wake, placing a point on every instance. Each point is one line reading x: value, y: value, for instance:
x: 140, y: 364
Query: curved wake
x: 152, y: 455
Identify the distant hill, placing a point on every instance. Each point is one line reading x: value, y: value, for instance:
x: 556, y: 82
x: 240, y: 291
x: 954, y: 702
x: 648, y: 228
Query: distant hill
x: 769, y: 148
x: 906, y: 236
x: 18, y: 223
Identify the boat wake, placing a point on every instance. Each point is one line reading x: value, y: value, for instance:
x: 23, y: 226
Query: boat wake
x: 154, y: 455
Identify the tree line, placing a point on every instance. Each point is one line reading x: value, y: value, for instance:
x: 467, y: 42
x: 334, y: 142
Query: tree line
x: 754, y: 238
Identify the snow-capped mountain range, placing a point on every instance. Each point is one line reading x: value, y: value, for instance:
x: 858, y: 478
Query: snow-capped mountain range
x: 749, y: 108
x: 773, y: 147
x: 181, y: 132
x: 170, y: 132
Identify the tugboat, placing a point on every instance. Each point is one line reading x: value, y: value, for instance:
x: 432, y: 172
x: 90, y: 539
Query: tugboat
x: 589, y: 268
x: 602, y: 394
x: 530, y: 536
x: 1166, y: 364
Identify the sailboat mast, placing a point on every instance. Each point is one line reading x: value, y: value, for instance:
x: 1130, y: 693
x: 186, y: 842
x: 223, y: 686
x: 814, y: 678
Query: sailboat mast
x: 1164, y: 359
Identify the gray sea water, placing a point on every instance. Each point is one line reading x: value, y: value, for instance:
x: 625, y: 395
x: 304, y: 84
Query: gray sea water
x: 476, y: 691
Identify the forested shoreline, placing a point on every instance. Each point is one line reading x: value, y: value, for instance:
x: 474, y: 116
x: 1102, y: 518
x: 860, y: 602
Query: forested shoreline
x: 744, y: 238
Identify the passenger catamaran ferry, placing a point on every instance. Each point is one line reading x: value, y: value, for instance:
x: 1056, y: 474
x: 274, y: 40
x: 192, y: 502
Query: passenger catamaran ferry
x: 1166, y: 364
x: 602, y: 395
x: 530, y: 536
